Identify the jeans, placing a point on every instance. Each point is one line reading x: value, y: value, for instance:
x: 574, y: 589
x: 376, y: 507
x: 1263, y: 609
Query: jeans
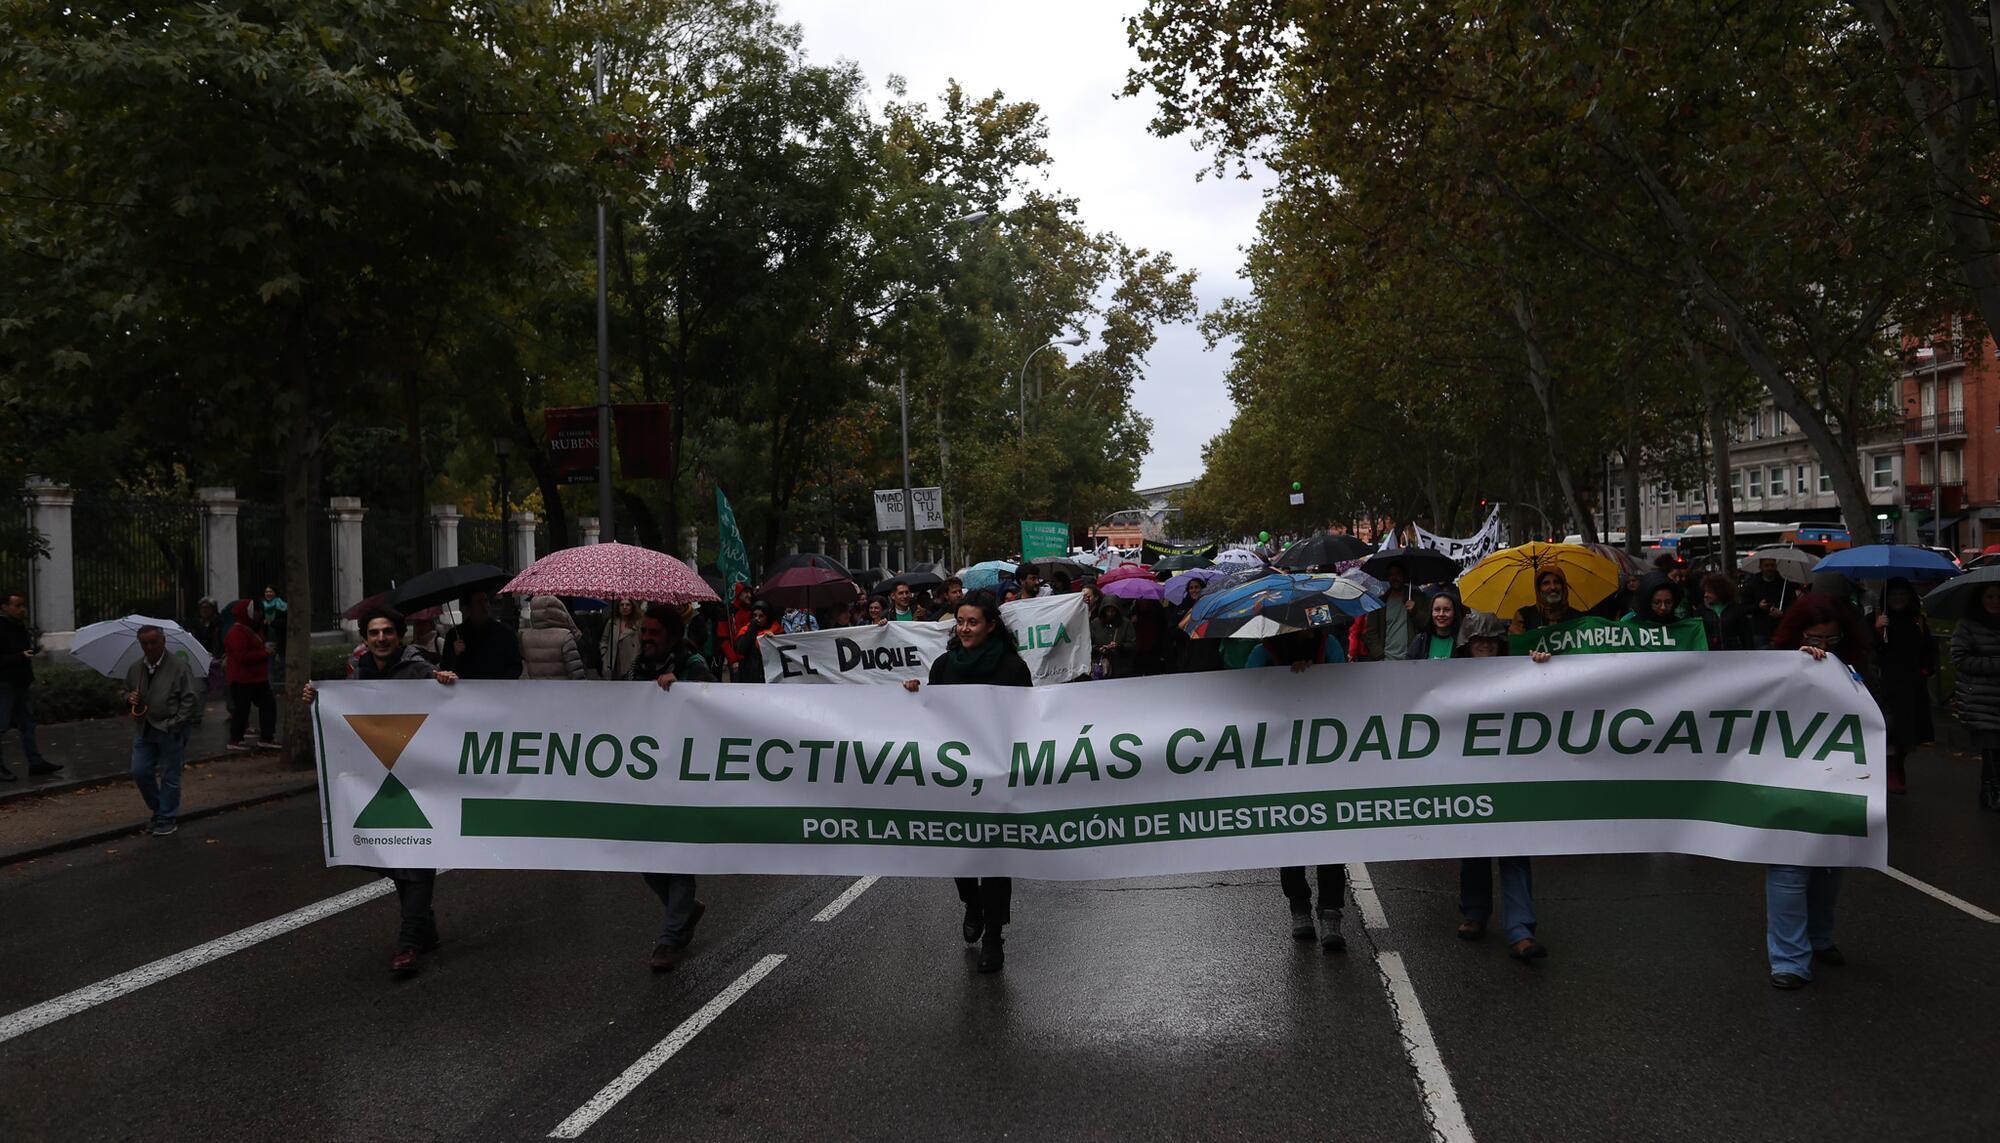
x: 1332, y: 888
x: 1517, y: 894
x: 676, y: 894
x: 414, y: 888
x: 1798, y: 914
x: 16, y: 712
x: 243, y: 696
x: 161, y: 750
x: 993, y: 895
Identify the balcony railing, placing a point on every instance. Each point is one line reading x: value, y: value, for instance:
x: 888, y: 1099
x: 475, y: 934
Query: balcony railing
x: 1918, y: 495
x: 1947, y: 424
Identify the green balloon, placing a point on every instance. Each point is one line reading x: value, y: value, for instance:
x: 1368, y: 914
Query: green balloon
x: 1296, y: 486
x: 1264, y: 536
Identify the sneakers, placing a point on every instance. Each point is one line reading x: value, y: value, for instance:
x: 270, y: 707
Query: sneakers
x: 1330, y: 939
x: 236, y: 745
x: 267, y: 744
x: 1302, y: 925
x: 163, y: 829
x: 406, y: 961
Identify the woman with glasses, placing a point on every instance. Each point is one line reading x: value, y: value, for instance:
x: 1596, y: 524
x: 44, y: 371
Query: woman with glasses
x: 1799, y: 899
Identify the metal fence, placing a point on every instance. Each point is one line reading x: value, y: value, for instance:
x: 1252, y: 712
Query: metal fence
x: 390, y: 551
x: 260, y: 550
x: 482, y: 540
x: 15, y: 549
x: 136, y: 556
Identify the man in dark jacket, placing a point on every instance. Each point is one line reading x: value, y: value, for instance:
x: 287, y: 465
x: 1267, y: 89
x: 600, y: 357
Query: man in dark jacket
x: 481, y: 647
x: 1764, y: 598
x: 17, y: 674
x: 666, y: 658
x: 389, y: 657
x: 165, y: 703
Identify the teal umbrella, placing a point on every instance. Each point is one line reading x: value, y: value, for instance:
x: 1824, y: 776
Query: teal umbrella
x: 986, y: 575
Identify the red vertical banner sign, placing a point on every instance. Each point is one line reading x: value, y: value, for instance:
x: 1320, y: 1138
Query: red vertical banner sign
x: 645, y: 441
x: 572, y: 439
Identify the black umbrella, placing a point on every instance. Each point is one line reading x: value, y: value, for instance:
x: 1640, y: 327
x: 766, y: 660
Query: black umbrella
x: 1047, y: 564
x: 1949, y: 599
x: 1323, y: 551
x: 443, y: 585
x: 1420, y: 565
x: 918, y: 581
x: 867, y: 576
x: 809, y: 588
x: 805, y: 560
x: 1183, y: 561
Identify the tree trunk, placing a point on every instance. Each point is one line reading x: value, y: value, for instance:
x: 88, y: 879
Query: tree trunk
x: 1717, y: 414
x: 1542, y: 381
x: 545, y: 476
x: 301, y: 454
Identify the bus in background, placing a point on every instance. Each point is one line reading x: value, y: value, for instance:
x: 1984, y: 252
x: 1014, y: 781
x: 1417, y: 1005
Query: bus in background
x: 1818, y: 539
x: 1701, y: 544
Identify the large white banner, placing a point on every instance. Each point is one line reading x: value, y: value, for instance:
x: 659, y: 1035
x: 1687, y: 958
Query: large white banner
x: 1750, y: 756
x: 1469, y: 550
x: 1053, y: 634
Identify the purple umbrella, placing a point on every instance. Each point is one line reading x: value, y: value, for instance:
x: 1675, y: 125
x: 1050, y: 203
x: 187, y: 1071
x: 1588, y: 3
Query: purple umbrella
x: 1177, y: 586
x: 1135, y: 588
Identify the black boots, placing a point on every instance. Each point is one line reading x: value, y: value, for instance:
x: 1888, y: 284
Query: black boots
x: 975, y: 923
x: 992, y: 951
x: 1989, y: 780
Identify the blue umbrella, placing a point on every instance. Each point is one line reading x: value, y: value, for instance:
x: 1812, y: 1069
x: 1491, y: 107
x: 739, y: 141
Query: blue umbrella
x: 1177, y: 586
x: 1277, y: 603
x: 986, y: 575
x: 1886, y: 561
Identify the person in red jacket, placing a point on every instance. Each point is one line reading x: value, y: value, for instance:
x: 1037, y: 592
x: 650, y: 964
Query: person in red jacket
x: 248, y: 669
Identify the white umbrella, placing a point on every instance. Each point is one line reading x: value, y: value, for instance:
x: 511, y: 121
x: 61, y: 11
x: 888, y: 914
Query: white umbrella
x: 1239, y: 558
x: 1793, y: 564
x: 111, y: 647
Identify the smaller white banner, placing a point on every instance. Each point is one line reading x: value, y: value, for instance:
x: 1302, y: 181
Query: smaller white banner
x: 1469, y: 550
x: 1053, y: 634
x: 928, y: 503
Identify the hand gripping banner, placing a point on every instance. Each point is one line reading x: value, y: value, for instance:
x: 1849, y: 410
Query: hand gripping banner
x: 1750, y: 756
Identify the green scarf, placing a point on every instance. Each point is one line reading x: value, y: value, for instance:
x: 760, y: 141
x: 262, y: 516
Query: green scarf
x: 979, y: 663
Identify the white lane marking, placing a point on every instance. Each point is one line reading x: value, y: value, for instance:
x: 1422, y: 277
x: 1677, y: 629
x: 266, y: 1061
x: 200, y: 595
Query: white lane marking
x: 1433, y: 1080
x: 834, y: 907
x: 90, y: 996
x: 1958, y: 903
x: 580, y: 1120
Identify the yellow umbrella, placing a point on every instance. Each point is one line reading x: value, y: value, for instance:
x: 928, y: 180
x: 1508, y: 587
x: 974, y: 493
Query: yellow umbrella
x: 1504, y: 582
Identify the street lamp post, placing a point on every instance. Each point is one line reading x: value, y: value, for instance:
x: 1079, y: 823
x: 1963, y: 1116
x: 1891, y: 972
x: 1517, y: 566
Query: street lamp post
x: 1022, y: 384
x: 605, y: 522
x: 502, y: 448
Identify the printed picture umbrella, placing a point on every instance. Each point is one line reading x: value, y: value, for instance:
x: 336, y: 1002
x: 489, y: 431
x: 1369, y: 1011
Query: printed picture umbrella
x: 1322, y: 551
x: 1239, y: 558
x: 986, y: 575
x: 1949, y: 600
x: 1793, y: 564
x: 613, y: 571
x: 1182, y: 561
x: 1504, y: 582
x: 1886, y: 561
x: 1177, y: 587
x: 111, y: 647
x: 442, y: 585
x: 1420, y: 565
x: 1279, y: 603
x: 808, y: 587
x: 1135, y: 587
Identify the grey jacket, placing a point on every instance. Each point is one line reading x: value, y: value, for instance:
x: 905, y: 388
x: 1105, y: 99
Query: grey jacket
x: 1975, y: 654
x: 167, y: 692
x: 549, y: 648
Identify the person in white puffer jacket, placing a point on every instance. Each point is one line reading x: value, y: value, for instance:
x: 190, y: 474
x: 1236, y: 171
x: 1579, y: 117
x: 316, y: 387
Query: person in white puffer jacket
x: 549, y: 647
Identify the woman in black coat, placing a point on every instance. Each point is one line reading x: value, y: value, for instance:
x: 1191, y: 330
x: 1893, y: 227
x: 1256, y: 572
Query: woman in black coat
x: 981, y: 652
x: 1907, y: 658
x: 1725, y: 620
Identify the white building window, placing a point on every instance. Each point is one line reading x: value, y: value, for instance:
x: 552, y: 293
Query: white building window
x: 1756, y: 484
x: 1799, y: 484
x: 1825, y: 480
x: 1736, y: 485
x: 1882, y: 471
x: 1777, y: 480
x: 1953, y: 462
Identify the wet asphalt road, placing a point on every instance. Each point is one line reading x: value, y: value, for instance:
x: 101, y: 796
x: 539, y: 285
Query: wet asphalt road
x: 1164, y: 1008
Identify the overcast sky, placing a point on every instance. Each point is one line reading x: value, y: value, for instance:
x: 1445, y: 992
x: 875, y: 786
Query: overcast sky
x: 1071, y: 58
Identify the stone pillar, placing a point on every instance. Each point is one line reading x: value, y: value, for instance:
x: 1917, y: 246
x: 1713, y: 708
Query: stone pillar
x: 590, y: 527
x: 522, y: 525
x: 792, y: 549
x: 842, y: 557
x: 52, y: 590
x: 346, y: 513
x: 444, y: 535
x: 691, y: 546
x: 219, y: 509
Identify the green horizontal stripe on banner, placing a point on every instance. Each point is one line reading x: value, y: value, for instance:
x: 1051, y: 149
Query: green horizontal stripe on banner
x: 1727, y: 803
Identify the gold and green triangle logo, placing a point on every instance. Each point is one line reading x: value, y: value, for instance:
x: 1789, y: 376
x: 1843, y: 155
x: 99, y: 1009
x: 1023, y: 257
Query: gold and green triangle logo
x: 386, y: 736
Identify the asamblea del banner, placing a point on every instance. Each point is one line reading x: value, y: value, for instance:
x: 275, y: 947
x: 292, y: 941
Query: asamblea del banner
x: 1756, y: 756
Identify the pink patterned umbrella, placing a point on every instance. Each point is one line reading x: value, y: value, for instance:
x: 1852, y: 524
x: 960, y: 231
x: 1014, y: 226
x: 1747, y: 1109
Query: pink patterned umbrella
x: 613, y: 571
x: 1128, y: 571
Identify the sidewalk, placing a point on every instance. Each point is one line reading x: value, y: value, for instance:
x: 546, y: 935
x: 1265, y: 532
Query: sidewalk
x: 100, y: 749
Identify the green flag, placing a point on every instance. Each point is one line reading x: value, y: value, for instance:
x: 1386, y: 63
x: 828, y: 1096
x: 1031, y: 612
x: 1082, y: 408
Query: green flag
x: 1593, y: 636
x: 734, y: 559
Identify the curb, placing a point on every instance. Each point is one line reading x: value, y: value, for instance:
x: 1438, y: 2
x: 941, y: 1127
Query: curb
x: 96, y: 837
x: 71, y: 785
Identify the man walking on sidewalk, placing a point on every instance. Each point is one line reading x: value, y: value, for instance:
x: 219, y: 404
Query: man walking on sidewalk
x: 17, y: 674
x: 165, y: 704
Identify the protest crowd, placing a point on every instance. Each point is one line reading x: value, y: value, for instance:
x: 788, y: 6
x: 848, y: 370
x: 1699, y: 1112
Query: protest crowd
x: 1326, y: 600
